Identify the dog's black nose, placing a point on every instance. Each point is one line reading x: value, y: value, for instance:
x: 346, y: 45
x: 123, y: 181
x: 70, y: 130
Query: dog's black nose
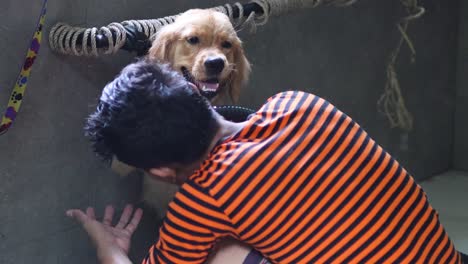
x: 214, y: 66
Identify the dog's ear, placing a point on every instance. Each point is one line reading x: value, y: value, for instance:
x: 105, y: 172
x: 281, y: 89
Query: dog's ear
x: 162, y: 43
x: 240, y: 75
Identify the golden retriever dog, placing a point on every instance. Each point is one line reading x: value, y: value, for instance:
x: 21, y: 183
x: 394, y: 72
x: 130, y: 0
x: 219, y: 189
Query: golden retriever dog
x: 204, y: 47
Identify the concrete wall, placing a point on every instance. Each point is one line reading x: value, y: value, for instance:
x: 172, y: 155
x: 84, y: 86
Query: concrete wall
x: 461, y: 113
x: 46, y: 165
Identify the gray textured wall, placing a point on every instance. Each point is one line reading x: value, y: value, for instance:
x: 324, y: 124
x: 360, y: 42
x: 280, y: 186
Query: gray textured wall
x: 46, y: 165
x: 461, y: 113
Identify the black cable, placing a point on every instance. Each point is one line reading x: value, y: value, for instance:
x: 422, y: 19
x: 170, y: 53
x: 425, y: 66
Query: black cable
x: 234, y: 113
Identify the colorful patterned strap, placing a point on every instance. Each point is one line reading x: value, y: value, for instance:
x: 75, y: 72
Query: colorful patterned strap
x: 17, y: 95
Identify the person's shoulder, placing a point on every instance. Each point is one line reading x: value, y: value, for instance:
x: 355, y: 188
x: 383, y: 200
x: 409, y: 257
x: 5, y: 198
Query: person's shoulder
x: 290, y: 101
x: 290, y: 95
x: 211, y: 170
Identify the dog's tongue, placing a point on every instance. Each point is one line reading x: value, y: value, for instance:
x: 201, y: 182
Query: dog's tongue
x: 208, y: 87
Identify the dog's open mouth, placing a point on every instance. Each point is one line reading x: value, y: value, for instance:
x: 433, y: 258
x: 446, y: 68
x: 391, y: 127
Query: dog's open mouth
x: 208, y: 88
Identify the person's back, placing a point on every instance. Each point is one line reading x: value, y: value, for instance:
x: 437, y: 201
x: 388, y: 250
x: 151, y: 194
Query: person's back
x: 303, y: 183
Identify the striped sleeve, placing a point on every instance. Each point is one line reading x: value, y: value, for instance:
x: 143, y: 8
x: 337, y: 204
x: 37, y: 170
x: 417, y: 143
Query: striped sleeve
x: 190, y: 229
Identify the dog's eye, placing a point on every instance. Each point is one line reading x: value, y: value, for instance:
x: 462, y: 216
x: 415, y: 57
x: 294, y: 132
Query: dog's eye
x: 193, y: 40
x: 226, y: 44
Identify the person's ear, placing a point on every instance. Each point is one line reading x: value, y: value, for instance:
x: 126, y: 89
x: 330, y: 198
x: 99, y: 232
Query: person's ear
x: 164, y: 174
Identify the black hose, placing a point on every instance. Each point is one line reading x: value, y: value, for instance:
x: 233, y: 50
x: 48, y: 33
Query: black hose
x: 234, y: 113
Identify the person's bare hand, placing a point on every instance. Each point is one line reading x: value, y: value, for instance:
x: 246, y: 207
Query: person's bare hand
x: 110, y: 241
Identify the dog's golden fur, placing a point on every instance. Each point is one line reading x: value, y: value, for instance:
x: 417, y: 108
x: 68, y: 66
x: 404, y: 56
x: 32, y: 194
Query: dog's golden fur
x: 216, y: 38
x: 170, y: 45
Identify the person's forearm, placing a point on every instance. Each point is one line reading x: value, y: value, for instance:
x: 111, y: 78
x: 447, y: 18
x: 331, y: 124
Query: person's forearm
x: 229, y: 251
x: 117, y: 260
x: 114, y: 258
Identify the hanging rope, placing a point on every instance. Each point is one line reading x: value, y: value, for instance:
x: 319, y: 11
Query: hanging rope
x: 279, y: 7
x: 71, y: 40
x: 391, y: 103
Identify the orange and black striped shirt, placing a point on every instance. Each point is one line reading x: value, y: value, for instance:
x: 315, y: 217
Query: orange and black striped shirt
x: 303, y: 183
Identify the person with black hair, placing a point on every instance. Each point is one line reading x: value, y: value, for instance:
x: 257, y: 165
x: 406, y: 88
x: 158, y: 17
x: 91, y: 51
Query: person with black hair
x: 299, y: 181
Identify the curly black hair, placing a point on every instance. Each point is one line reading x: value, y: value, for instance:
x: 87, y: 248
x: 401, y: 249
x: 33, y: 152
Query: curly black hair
x: 149, y: 116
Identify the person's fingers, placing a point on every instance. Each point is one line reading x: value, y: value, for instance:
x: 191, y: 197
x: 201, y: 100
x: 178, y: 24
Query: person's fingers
x: 108, y: 215
x: 90, y: 213
x: 126, y: 214
x: 78, y: 215
x: 132, y: 226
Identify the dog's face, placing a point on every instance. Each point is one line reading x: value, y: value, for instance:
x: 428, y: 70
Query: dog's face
x: 205, y: 48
